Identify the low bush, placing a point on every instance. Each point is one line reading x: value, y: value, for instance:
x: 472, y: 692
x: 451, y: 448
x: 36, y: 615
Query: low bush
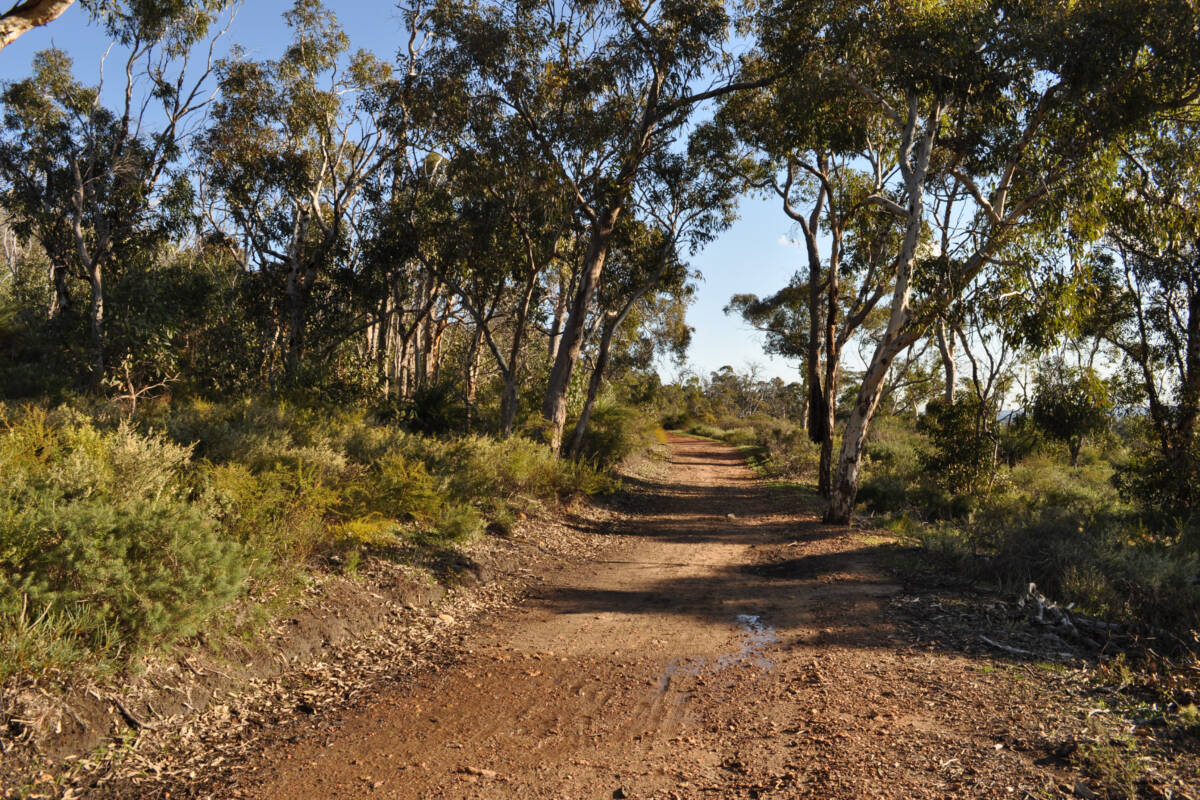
x: 675, y: 421
x: 614, y: 432
x: 102, y: 547
x: 884, y: 494
x: 707, y: 431
x: 114, y: 537
x: 1069, y: 530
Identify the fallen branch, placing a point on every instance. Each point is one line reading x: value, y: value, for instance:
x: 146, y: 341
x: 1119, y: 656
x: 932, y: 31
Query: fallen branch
x: 1016, y: 651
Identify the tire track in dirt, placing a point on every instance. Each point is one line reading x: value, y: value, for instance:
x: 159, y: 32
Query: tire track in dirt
x: 725, y: 645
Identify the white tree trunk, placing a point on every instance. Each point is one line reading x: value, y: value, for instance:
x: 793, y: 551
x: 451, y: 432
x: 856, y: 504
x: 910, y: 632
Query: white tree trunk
x: 916, y: 147
x: 27, y: 15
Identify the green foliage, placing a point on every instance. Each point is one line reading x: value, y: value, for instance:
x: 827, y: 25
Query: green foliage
x: 1067, y: 529
x: 614, y: 432
x: 1163, y: 486
x: 962, y: 454
x: 435, y: 410
x: 113, y: 539
x: 884, y: 494
x: 101, y: 548
x: 1112, y: 758
x: 1071, y: 404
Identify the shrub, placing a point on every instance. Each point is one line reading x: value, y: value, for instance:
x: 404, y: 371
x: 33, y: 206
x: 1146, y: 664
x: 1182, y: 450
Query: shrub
x: 963, y: 447
x: 147, y: 568
x: 111, y: 538
x: 884, y: 494
x: 99, y: 540
x: 674, y: 421
x: 707, y: 431
x: 744, y: 436
x: 613, y: 433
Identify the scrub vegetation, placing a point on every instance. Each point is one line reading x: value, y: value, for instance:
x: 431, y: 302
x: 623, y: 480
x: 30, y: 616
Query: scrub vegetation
x: 265, y: 314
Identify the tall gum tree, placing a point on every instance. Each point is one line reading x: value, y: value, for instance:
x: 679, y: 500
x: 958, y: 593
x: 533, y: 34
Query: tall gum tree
x: 291, y: 145
x: 684, y: 201
x: 97, y: 185
x: 600, y: 87
x: 1154, y: 232
x: 813, y: 153
x: 1016, y: 102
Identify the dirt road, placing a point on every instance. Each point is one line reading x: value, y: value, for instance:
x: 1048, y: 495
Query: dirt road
x: 724, y: 646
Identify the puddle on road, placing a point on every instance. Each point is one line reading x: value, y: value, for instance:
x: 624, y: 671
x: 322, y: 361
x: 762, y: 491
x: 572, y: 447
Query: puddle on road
x: 759, y: 635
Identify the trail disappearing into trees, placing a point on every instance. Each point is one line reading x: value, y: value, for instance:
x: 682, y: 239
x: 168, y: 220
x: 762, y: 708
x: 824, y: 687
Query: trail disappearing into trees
x: 725, y: 645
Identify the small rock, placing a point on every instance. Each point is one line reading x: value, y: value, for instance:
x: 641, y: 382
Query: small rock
x: 619, y: 793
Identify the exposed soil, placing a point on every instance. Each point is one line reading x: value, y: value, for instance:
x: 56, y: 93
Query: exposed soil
x: 719, y: 643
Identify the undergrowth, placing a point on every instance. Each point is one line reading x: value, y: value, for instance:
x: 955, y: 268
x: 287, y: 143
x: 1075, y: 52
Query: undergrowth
x: 118, y: 536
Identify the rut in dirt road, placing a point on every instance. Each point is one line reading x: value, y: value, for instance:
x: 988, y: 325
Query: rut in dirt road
x: 723, y: 645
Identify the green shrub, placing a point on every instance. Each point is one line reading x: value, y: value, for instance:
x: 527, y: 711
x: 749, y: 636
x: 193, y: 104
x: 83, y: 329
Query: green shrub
x: 613, y: 433
x: 884, y: 494
x: 963, y: 447
x: 278, y: 515
x: 459, y: 523
x: 112, y: 539
x: 743, y: 437
x: 895, y: 448
x: 147, y: 568
x: 99, y: 539
x: 707, y: 431
x: 674, y: 421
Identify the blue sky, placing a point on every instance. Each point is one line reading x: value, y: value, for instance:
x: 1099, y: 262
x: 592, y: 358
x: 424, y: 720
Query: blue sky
x: 752, y: 256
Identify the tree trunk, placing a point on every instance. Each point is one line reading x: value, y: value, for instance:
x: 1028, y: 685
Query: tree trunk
x: 471, y: 374
x: 812, y: 367
x: 560, y: 317
x: 946, y: 346
x: 833, y: 356
x: 512, y: 373
x: 27, y: 15
x: 555, y: 407
x: 60, y: 299
x: 914, y: 159
x: 845, y: 482
x: 294, y: 297
x: 96, y: 317
x: 804, y: 399
x: 832, y: 370
x: 593, y: 391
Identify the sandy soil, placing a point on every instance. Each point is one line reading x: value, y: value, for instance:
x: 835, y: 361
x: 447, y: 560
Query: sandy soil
x: 724, y: 645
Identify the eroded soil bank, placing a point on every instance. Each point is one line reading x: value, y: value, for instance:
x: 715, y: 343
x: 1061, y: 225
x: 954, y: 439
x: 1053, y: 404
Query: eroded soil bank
x: 718, y: 641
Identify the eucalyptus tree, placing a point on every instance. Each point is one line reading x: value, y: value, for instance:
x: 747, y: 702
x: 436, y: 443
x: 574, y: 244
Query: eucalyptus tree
x: 100, y: 188
x: 520, y: 218
x: 1015, y: 103
x: 1153, y: 298
x: 825, y: 166
x: 683, y: 202
x: 600, y: 87
x: 291, y: 145
x: 1070, y: 404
